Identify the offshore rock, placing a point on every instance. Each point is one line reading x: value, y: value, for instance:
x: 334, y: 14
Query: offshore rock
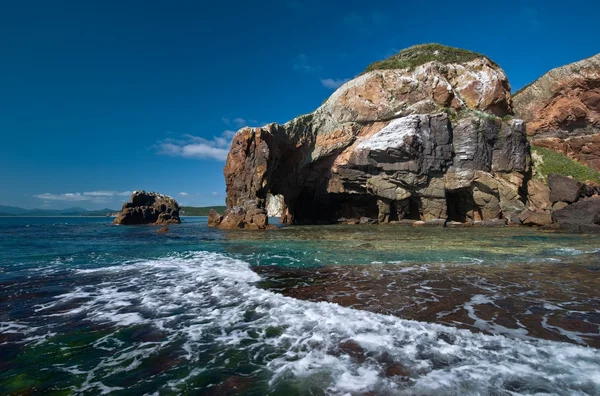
x: 562, y: 110
x: 149, y: 208
x: 424, y: 142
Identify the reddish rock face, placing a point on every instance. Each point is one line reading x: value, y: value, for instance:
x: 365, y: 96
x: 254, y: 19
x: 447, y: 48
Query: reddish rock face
x: 562, y: 110
x: 384, y: 147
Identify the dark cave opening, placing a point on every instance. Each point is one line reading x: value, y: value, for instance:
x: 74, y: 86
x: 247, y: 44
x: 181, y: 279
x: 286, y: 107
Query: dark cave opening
x: 460, y: 205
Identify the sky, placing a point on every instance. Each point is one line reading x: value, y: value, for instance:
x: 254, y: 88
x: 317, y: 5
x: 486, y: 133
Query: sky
x: 100, y: 98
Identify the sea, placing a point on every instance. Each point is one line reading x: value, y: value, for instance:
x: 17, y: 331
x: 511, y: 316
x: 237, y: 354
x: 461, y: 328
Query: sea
x: 87, y: 307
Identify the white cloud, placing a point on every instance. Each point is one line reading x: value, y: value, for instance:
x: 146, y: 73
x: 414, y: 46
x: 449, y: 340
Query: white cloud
x: 95, y: 196
x: 214, y: 193
x: 106, y: 193
x: 184, y: 194
x: 240, y: 122
x: 333, y: 83
x: 191, y: 146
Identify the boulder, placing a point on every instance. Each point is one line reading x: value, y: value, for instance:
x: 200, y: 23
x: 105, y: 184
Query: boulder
x: 538, y: 195
x: 435, y: 223
x: 538, y: 219
x: 214, y: 218
x: 559, y: 206
x: 149, y: 208
x: 581, y: 216
x: 249, y: 216
x: 564, y: 188
x: 491, y: 223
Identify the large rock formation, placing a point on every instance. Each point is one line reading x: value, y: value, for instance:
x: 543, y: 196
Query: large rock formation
x: 562, y: 110
x: 430, y: 137
x: 149, y: 208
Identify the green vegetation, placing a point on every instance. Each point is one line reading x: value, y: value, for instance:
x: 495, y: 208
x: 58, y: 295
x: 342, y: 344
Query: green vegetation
x: 201, y: 211
x: 523, y: 88
x: 421, y: 54
x: 547, y: 161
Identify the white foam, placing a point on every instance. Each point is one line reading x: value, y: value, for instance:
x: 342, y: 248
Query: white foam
x: 574, y: 252
x: 221, y: 304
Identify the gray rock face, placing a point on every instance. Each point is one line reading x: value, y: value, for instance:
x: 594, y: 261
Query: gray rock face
x: 582, y: 216
x: 149, y: 208
x: 564, y: 188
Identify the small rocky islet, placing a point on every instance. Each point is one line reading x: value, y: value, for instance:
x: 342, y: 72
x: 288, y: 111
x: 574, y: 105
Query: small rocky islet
x: 149, y: 208
x: 430, y: 136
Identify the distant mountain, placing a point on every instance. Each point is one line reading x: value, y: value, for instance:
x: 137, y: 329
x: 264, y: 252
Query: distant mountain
x: 11, y: 210
x: 15, y: 211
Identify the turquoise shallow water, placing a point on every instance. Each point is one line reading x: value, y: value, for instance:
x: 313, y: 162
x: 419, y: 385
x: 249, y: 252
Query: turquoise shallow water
x: 88, y: 307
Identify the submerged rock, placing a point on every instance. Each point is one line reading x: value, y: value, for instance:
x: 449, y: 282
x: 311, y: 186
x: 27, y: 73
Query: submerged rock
x: 423, y: 141
x: 149, y: 208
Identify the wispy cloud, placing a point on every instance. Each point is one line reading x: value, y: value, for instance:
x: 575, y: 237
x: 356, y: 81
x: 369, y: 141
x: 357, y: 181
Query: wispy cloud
x: 333, y: 83
x: 301, y: 63
x: 184, y: 194
x: 239, y: 122
x: 197, y: 147
x: 96, y: 196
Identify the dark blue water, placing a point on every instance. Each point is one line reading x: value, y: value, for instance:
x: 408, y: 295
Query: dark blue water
x: 91, y: 308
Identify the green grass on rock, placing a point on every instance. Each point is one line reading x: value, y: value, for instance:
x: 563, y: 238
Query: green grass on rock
x: 548, y: 161
x: 423, y: 53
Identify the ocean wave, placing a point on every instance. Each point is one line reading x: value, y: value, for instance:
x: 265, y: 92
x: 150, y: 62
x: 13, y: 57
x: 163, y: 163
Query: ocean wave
x: 197, y: 299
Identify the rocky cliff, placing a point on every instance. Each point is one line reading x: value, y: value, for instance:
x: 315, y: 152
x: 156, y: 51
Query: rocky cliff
x: 149, y: 208
x: 427, y: 134
x: 562, y: 110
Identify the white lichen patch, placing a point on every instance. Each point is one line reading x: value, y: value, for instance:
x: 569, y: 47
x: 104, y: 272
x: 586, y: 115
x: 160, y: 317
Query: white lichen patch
x: 393, y: 135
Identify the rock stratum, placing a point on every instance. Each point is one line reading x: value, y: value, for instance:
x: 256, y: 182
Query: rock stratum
x: 429, y: 135
x: 149, y: 208
x: 562, y: 111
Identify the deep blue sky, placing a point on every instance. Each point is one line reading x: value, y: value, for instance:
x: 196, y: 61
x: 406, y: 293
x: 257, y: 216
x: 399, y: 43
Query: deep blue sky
x: 98, y: 98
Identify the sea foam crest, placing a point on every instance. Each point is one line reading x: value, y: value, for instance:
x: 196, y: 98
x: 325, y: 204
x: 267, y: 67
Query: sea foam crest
x: 202, y: 298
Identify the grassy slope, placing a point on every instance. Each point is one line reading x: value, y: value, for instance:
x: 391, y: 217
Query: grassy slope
x: 203, y: 211
x: 553, y: 162
x: 420, y: 54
